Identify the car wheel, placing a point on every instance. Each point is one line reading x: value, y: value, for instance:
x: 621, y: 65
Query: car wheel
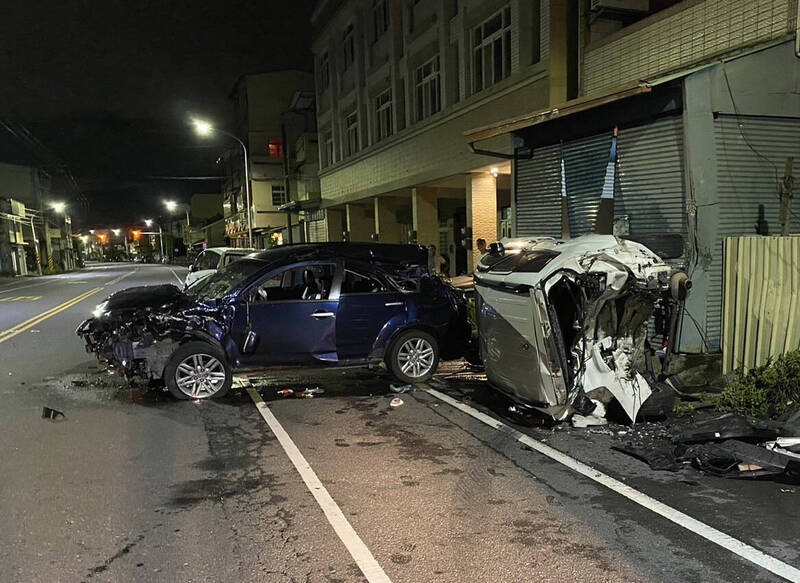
x: 198, y: 370
x: 413, y: 356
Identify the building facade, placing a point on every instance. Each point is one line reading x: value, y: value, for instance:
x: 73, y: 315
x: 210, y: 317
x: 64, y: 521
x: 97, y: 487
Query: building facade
x: 703, y: 96
x: 266, y: 118
x: 397, y: 84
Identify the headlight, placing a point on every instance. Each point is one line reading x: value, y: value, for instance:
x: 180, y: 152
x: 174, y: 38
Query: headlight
x: 100, y: 309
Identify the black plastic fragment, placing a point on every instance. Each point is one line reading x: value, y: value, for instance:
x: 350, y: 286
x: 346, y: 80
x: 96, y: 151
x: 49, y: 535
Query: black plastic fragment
x: 658, y: 458
x: 48, y: 413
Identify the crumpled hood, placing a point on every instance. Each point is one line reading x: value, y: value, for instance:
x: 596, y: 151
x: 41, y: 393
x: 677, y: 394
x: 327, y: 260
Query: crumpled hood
x: 143, y: 297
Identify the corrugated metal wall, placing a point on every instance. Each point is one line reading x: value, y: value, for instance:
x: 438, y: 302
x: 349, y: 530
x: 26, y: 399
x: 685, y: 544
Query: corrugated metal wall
x: 761, y: 311
x: 538, y: 194
x: 751, y: 154
x: 585, y: 164
x: 649, y: 186
x: 650, y: 177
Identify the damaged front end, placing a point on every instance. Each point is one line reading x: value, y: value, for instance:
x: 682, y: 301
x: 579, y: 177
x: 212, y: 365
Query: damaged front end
x: 569, y: 326
x: 134, y: 332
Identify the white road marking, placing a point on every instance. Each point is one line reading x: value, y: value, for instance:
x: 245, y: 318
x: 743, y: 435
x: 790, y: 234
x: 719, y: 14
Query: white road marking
x: 7, y: 289
x: 180, y: 281
x: 709, y: 533
x: 358, y: 550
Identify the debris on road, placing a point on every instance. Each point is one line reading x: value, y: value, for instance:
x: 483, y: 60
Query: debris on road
x: 396, y: 402
x: 401, y: 388
x: 285, y: 393
x: 596, y: 417
x: 52, y: 414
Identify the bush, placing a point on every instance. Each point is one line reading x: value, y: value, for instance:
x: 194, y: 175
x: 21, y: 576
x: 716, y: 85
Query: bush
x: 766, y: 391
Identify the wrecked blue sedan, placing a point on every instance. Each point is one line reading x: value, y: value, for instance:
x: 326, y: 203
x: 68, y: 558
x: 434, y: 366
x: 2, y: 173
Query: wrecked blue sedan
x: 331, y: 304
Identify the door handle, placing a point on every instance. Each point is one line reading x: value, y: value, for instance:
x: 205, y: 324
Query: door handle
x: 321, y: 314
x: 390, y: 304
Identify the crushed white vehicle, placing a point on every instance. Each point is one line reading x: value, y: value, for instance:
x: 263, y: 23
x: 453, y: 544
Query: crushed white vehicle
x: 563, y: 324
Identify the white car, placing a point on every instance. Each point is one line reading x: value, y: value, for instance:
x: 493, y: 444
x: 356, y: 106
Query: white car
x: 212, y: 259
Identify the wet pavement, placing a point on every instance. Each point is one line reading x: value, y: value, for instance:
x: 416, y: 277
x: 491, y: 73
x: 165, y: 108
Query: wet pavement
x: 131, y: 485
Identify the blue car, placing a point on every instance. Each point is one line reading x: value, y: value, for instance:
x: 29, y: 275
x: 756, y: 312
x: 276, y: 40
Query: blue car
x: 326, y: 304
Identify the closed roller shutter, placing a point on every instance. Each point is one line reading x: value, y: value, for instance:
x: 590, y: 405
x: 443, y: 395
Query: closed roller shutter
x: 538, y: 194
x: 585, y: 163
x: 747, y: 178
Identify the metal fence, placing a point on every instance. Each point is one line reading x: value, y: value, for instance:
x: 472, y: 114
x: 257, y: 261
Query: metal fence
x: 761, y: 300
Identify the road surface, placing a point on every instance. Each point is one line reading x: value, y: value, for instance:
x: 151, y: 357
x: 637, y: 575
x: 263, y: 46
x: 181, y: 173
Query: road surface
x: 131, y: 485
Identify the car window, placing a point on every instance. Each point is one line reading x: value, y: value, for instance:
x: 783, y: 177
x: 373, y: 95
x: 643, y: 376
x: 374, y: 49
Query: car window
x: 224, y: 281
x: 231, y: 257
x: 208, y: 260
x: 305, y: 282
x: 357, y: 283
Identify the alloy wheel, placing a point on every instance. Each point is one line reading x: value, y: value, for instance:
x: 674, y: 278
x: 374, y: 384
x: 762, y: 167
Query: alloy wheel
x: 200, y: 376
x: 415, y: 357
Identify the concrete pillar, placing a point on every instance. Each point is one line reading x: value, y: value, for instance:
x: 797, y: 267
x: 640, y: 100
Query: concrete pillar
x: 360, y: 221
x: 425, y: 215
x: 481, y: 211
x: 336, y: 223
x: 386, y: 224
x: 558, y: 51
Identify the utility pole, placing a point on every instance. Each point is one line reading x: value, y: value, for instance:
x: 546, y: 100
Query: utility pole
x: 286, y: 180
x: 787, y: 185
x: 36, y: 247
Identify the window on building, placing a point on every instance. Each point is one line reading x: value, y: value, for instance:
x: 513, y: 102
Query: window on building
x: 380, y: 18
x: 324, y: 71
x: 278, y: 195
x: 491, y: 42
x: 327, y: 146
x: 349, y: 47
x: 275, y: 148
x: 383, y: 115
x: 427, y: 89
x: 351, y: 134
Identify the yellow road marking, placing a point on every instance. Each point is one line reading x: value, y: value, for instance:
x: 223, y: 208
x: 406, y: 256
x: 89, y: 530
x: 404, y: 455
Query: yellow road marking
x: 31, y: 322
x: 21, y: 299
x: 120, y: 278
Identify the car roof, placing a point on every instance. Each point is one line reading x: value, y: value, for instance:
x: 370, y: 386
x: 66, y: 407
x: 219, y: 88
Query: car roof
x: 223, y: 250
x: 377, y: 253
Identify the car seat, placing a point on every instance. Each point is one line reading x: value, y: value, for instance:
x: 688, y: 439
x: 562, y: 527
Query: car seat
x: 310, y: 286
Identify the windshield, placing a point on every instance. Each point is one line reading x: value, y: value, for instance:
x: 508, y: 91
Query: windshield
x: 225, y: 280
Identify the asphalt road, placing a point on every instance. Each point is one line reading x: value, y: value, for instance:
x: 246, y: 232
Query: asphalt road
x: 131, y: 485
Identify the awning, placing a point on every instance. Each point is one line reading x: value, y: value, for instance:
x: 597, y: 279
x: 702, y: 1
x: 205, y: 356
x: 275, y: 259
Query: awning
x: 543, y: 115
x: 295, y: 206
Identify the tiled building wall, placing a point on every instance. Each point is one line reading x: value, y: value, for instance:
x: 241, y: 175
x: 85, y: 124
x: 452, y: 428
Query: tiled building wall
x: 681, y: 36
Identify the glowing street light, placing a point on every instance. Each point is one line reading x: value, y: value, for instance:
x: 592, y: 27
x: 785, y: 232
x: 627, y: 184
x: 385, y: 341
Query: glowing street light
x: 59, y: 207
x: 204, y: 128
x: 148, y: 222
x: 171, y: 205
x: 116, y: 232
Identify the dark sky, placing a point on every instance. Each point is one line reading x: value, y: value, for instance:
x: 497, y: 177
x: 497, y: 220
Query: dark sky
x: 110, y: 85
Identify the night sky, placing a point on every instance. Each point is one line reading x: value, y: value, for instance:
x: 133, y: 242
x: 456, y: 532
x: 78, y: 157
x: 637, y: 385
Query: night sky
x: 109, y: 86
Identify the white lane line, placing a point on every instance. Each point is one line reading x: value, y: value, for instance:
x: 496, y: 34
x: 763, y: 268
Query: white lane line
x: 358, y: 550
x: 180, y: 281
x: 709, y: 533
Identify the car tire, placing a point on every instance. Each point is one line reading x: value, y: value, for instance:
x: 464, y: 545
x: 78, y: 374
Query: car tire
x: 198, y: 370
x: 413, y: 356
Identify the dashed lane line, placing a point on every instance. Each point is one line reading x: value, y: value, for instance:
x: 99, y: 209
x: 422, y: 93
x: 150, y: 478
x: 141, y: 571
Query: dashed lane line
x: 358, y: 550
x: 709, y: 533
x: 31, y: 322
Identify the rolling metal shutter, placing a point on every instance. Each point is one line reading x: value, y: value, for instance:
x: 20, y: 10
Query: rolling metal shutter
x: 585, y: 163
x: 538, y: 194
x: 650, y: 178
x: 748, y: 171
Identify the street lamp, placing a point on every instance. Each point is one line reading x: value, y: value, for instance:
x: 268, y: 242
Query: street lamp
x: 172, y: 205
x: 204, y: 128
x: 149, y: 223
x: 59, y: 207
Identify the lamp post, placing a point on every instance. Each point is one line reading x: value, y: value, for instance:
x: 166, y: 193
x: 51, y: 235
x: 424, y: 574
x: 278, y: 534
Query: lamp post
x: 204, y: 128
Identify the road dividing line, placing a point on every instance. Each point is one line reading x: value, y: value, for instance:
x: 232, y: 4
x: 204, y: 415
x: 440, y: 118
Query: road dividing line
x: 120, y: 278
x: 31, y: 322
x: 180, y: 281
x: 358, y: 550
x: 709, y: 533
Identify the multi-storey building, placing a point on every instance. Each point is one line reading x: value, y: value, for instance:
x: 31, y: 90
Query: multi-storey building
x: 265, y: 119
x: 398, y: 83
x: 443, y: 116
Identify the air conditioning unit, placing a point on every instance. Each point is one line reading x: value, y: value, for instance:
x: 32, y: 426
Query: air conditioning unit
x: 621, y: 5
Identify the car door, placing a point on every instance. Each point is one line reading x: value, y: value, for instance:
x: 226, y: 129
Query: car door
x: 368, y: 306
x: 294, y: 321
